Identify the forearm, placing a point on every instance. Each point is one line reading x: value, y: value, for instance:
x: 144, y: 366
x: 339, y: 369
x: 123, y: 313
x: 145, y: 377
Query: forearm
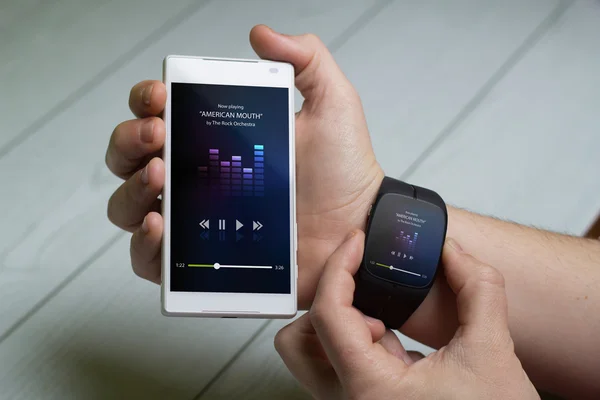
x: 553, y: 287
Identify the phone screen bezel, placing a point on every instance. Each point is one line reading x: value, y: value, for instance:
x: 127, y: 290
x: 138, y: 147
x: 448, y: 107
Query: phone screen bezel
x: 203, y: 70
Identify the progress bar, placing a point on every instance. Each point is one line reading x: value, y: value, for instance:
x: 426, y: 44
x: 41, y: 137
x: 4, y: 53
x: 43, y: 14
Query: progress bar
x: 218, y: 266
x: 392, y: 268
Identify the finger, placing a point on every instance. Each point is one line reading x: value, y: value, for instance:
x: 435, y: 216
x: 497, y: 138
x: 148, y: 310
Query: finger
x: 393, y: 346
x: 302, y: 353
x: 315, y: 68
x: 376, y: 327
x: 341, y: 328
x: 137, y: 196
x: 132, y: 143
x: 479, y: 288
x: 145, y: 248
x: 148, y: 98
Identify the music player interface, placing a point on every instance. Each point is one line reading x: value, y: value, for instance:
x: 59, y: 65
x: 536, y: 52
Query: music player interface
x: 410, y: 255
x: 230, y: 189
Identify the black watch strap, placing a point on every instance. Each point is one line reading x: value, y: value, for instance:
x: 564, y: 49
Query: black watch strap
x: 390, y: 185
x: 384, y: 301
x: 389, y: 302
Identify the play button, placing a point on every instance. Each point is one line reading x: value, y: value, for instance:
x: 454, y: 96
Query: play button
x: 238, y: 225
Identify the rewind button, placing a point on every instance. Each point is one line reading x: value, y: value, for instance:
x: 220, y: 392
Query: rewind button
x: 205, y: 223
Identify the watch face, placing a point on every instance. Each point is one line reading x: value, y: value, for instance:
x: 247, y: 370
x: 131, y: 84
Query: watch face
x: 405, y: 240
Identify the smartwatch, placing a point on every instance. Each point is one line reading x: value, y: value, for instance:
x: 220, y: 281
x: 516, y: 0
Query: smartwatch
x: 406, y: 230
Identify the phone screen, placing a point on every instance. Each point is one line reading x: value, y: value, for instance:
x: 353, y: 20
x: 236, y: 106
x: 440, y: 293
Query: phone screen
x: 230, y: 189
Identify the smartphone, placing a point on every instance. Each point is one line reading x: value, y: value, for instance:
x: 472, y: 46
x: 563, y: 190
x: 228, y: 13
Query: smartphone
x: 229, y: 200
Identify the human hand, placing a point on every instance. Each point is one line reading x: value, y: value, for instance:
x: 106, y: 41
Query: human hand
x: 338, y: 353
x: 337, y: 174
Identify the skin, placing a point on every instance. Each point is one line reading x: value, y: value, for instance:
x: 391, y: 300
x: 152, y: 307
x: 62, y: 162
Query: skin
x: 551, y: 312
x: 335, y: 354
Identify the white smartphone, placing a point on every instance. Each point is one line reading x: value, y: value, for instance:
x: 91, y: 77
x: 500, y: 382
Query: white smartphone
x: 229, y: 200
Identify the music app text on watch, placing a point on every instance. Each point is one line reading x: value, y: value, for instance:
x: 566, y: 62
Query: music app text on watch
x: 405, y: 239
x: 230, y: 189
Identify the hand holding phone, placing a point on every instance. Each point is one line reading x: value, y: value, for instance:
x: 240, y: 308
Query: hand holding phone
x: 229, y: 243
x: 337, y: 173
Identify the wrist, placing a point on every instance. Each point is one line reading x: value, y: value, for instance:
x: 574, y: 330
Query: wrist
x: 369, y: 194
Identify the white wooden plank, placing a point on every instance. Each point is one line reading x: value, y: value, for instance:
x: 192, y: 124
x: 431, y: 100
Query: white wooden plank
x: 272, y: 380
x: 419, y: 62
x: 14, y: 12
x: 34, y: 24
x: 59, y: 185
x: 529, y: 152
x: 64, y: 45
x: 103, y: 337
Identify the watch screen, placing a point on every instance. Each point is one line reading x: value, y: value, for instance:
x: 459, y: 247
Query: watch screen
x: 405, y: 240
x: 230, y: 189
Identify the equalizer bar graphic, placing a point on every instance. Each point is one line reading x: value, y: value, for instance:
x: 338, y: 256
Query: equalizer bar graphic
x: 408, y: 241
x: 231, y: 178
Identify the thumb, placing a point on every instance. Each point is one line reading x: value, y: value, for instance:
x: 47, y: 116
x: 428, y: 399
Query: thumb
x: 316, y: 70
x: 480, y: 293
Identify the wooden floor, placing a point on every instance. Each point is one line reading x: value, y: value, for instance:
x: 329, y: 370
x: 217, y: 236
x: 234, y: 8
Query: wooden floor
x: 492, y: 103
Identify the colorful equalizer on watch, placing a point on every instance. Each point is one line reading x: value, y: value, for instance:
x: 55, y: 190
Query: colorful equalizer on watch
x: 408, y: 242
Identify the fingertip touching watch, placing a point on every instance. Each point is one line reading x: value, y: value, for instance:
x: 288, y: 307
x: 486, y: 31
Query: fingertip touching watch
x: 405, y: 234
